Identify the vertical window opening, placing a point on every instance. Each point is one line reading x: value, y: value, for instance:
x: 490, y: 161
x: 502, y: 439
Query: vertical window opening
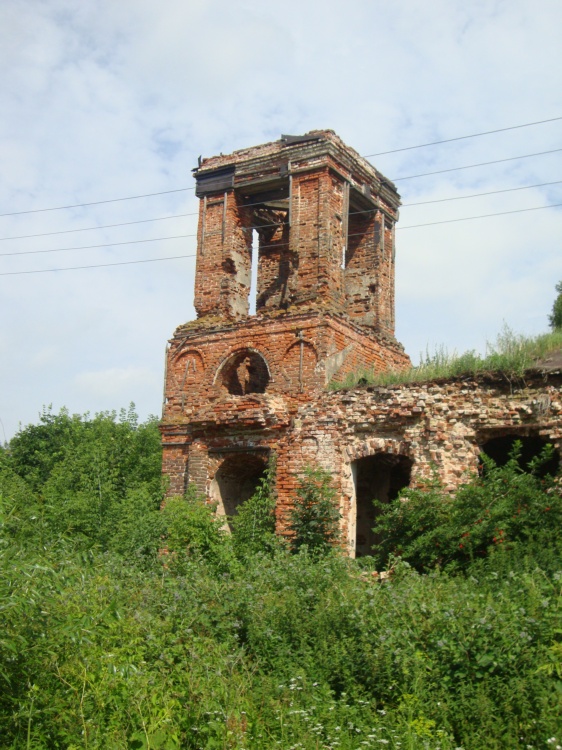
x: 253, y: 296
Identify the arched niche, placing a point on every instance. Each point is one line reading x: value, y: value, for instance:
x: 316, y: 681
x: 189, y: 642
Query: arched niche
x: 245, y: 371
x: 236, y: 480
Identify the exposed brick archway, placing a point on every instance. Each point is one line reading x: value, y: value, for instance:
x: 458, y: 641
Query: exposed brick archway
x: 500, y: 447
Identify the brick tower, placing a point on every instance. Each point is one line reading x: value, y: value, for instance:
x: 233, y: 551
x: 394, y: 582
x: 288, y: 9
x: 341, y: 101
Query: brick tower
x: 294, y: 287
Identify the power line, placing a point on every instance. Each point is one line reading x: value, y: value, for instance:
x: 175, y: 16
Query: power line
x: 89, y: 229
x: 248, y: 205
x: 97, y: 203
x: 259, y: 203
x: 95, y: 247
x: 97, y: 265
x: 365, y: 156
x: 478, y: 195
x: 276, y: 244
x: 262, y: 247
x: 461, y: 137
x: 429, y: 224
x: 482, y: 164
x: 482, y: 216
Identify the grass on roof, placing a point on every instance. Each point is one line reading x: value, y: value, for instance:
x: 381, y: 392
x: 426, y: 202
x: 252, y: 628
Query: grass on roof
x: 511, y: 355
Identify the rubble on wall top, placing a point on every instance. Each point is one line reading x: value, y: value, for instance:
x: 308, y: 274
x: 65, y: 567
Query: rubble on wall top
x: 294, y: 147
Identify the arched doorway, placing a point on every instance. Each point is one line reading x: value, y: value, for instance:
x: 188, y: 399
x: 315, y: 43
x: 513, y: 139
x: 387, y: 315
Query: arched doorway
x: 379, y: 477
x: 235, y: 481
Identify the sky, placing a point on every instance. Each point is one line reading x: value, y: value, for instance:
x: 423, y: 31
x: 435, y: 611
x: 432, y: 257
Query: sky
x: 102, y: 100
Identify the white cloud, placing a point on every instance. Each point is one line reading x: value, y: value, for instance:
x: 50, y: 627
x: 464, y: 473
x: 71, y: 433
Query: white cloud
x: 102, y: 99
x: 115, y: 382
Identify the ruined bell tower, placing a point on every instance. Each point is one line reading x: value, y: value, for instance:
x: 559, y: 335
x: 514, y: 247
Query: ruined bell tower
x: 294, y: 287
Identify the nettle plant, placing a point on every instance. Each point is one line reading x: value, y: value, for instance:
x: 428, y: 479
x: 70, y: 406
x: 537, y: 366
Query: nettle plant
x: 253, y: 527
x: 315, y: 517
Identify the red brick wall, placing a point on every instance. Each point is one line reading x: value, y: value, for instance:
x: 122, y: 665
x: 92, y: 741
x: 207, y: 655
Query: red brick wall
x: 222, y: 275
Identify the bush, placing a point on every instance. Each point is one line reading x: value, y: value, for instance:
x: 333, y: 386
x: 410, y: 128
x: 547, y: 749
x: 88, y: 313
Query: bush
x: 505, y: 508
x: 315, y: 517
x: 192, y: 529
x: 117, y: 646
x: 97, y: 480
x: 253, y: 527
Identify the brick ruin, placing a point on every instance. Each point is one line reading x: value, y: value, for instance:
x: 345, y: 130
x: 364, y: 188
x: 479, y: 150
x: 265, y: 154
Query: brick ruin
x: 294, y: 288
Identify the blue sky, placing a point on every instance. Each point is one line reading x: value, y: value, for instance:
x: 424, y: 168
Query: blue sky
x: 104, y: 99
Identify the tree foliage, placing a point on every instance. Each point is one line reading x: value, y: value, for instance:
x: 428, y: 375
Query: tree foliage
x: 96, y: 479
x: 253, y: 527
x: 192, y: 531
x: 555, y: 318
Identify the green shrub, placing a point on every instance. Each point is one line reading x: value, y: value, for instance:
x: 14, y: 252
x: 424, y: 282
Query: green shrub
x: 506, y: 508
x: 192, y: 529
x: 117, y: 646
x: 315, y: 517
x: 253, y: 527
x: 97, y: 480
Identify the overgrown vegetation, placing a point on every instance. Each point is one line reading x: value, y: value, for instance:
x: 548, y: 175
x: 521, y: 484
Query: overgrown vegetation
x: 314, y: 518
x: 506, y: 508
x: 511, y: 355
x: 122, y: 626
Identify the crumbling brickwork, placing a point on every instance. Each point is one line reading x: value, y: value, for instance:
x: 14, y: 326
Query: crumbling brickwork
x: 440, y: 428
x: 241, y: 387
x: 324, y: 219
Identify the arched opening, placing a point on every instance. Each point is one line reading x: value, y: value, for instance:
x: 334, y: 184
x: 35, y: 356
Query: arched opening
x: 499, y: 449
x: 379, y: 477
x: 244, y: 372
x: 235, y: 481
